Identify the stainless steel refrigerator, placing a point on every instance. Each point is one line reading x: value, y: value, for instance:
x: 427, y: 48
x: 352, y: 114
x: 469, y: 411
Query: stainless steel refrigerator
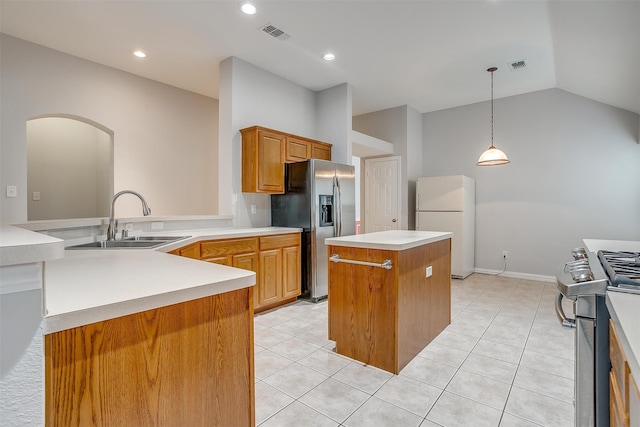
x: 319, y: 198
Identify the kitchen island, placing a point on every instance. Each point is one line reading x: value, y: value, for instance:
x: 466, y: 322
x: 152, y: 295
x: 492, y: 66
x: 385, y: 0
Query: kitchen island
x: 389, y: 294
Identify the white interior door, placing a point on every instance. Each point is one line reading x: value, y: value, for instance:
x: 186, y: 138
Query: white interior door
x: 382, y: 194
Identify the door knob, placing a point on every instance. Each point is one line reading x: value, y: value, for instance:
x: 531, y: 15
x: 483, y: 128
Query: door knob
x: 393, y: 220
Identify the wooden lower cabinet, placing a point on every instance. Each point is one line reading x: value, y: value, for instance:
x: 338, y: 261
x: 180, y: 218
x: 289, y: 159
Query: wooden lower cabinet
x: 187, y: 364
x: 275, y: 259
x: 279, y: 272
x: 624, y: 398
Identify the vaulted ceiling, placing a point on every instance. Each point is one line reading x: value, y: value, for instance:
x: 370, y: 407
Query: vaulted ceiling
x: 429, y: 54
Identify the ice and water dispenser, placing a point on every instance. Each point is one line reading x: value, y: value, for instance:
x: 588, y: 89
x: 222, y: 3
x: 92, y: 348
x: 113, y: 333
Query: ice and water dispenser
x: 326, y: 211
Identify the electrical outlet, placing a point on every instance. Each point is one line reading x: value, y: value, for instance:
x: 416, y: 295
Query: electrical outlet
x: 505, y: 254
x: 253, y: 209
x: 12, y: 191
x: 36, y: 195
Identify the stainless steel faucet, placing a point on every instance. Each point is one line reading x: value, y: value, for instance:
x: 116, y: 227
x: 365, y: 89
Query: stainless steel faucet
x: 112, y: 230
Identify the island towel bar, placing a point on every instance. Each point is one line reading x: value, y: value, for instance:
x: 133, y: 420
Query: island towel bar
x: 386, y: 264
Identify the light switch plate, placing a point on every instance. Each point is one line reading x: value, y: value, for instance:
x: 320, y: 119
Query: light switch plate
x: 428, y: 271
x: 36, y: 195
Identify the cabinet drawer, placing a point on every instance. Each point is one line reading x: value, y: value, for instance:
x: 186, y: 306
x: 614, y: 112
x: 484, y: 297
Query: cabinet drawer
x: 619, y: 366
x: 217, y: 248
x: 279, y: 241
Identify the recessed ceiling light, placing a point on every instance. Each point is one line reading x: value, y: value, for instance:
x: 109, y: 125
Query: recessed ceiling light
x: 139, y: 54
x: 329, y: 57
x: 248, y: 8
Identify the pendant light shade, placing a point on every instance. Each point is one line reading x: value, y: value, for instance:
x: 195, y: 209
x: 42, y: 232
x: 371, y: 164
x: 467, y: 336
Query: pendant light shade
x: 492, y: 156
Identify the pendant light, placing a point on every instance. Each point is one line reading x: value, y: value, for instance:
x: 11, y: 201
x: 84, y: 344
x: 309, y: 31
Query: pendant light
x: 492, y: 156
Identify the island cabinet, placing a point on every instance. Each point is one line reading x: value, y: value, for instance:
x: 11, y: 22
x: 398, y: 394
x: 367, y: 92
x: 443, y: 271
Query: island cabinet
x: 385, y: 317
x: 264, y: 153
x: 187, y: 364
x: 275, y: 259
x: 624, y: 407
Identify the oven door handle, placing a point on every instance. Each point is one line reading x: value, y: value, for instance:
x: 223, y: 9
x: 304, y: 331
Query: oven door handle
x: 564, y: 320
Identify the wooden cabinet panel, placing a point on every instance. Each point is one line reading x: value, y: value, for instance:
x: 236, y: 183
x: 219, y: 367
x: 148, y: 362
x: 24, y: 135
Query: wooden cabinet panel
x: 321, y: 151
x: 246, y: 262
x: 262, y: 161
x: 297, y: 149
x: 270, y: 277
x: 191, y: 251
x: 617, y: 412
x: 634, y: 402
x: 271, y: 161
x: 187, y: 364
x: 619, y: 365
x: 291, y: 271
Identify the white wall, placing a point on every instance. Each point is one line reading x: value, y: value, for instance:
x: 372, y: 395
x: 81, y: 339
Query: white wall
x: 333, y: 123
x: 574, y: 174
x: 252, y: 96
x: 401, y: 126
x: 165, y: 138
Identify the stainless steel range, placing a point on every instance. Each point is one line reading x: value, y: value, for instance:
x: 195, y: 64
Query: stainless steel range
x: 585, y: 281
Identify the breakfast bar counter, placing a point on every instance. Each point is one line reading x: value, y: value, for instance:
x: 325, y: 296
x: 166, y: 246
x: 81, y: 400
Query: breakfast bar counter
x: 389, y: 294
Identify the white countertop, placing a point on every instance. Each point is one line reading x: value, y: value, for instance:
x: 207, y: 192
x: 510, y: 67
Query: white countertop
x: 19, y: 246
x: 88, y: 286
x: 595, y: 245
x: 393, y: 240
x: 624, y: 309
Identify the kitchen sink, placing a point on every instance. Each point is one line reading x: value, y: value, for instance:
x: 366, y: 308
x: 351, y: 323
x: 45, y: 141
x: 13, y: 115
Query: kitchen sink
x: 140, y: 242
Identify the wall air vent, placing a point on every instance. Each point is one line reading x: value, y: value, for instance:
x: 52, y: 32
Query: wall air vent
x: 275, y: 32
x: 518, y: 65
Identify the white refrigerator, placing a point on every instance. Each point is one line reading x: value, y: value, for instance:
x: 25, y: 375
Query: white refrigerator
x: 448, y: 203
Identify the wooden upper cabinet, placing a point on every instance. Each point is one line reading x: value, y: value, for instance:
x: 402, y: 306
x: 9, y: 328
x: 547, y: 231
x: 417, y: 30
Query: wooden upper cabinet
x: 264, y: 153
x: 321, y: 150
x: 262, y: 161
x: 297, y: 149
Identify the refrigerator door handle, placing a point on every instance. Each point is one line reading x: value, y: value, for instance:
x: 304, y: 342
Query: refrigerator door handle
x: 337, y: 206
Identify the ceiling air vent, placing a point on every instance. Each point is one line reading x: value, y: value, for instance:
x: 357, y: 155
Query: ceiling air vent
x: 275, y: 32
x: 518, y: 65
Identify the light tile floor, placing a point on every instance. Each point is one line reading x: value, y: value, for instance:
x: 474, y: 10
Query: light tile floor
x: 503, y: 361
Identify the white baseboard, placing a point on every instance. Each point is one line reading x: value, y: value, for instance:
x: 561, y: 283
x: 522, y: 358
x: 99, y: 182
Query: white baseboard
x: 516, y: 275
